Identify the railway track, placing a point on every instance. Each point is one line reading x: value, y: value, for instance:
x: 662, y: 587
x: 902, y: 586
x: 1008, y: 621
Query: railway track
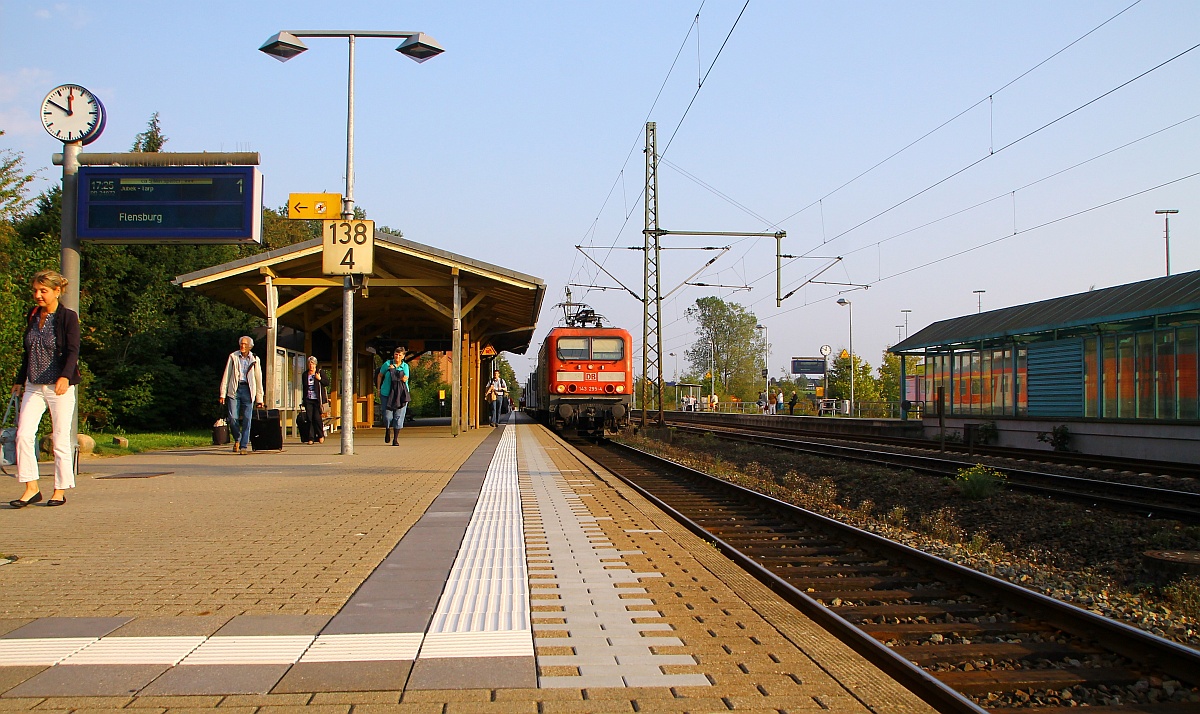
x: 1146, y: 500
x: 1063, y: 458
x: 962, y: 640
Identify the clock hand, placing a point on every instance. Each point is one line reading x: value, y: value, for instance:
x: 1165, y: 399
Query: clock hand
x: 62, y: 108
x: 70, y: 102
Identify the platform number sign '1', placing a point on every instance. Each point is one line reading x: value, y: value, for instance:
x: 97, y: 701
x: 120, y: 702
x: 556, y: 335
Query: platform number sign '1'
x: 348, y: 248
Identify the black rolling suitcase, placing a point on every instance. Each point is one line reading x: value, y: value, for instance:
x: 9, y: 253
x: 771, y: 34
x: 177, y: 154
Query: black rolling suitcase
x: 266, y: 432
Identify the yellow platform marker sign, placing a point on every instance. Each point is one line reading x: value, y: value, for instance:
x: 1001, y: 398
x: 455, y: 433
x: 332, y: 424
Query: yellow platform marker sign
x: 320, y: 206
x: 348, y: 248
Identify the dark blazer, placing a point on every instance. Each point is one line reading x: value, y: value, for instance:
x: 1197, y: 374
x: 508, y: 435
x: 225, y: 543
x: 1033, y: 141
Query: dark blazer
x: 66, y: 341
x: 322, y: 392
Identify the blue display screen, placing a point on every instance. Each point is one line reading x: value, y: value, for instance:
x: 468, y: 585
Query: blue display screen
x: 186, y: 204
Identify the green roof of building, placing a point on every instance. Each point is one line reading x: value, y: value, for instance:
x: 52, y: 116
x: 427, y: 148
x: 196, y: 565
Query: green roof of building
x: 1148, y: 298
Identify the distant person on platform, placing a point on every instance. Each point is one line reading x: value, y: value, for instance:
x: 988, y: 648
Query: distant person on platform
x: 47, y: 378
x: 316, y: 401
x: 398, y: 396
x: 242, y: 388
x: 384, y: 381
x: 497, y: 389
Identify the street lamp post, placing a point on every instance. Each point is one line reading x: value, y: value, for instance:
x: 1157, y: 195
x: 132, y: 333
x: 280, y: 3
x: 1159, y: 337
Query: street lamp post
x: 905, y: 312
x: 672, y: 354
x: 979, y: 300
x: 766, y: 364
x: 283, y: 46
x: 846, y: 303
x: 1166, y: 214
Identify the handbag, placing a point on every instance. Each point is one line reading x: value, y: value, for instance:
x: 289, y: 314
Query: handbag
x: 325, y: 409
x: 8, y: 437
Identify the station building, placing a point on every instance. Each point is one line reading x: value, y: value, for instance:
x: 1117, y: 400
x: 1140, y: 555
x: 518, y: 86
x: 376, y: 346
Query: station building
x: 1117, y: 366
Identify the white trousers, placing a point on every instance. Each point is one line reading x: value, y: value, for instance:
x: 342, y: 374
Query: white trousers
x: 35, y: 401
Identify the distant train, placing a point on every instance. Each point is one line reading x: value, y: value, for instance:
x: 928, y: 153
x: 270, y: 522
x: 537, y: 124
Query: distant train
x: 584, y: 377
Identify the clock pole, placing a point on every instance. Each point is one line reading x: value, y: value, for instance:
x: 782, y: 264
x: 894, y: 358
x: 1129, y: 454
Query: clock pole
x: 70, y: 261
x: 70, y: 218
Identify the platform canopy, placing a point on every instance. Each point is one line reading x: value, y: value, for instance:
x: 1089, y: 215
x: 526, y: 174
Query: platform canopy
x: 408, y: 299
x: 1158, y: 297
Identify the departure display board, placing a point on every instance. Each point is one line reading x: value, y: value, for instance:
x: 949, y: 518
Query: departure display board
x: 173, y: 204
x: 808, y: 365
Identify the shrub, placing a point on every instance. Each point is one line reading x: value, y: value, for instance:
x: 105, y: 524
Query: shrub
x: 1059, y: 438
x: 978, y: 481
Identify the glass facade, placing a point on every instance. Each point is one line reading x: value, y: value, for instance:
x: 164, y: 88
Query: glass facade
x: 1128, y: 373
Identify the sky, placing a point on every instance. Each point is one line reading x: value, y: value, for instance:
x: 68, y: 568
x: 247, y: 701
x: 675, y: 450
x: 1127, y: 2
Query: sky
x: 914, y: 153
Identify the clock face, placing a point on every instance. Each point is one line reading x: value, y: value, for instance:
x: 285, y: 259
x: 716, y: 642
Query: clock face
x: 72, y: 113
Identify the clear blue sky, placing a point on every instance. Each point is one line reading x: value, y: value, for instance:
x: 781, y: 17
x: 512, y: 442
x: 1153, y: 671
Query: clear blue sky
x: 524, y: 138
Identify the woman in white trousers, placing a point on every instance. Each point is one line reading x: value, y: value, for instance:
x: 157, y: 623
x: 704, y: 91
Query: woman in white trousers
x: 48, y: 375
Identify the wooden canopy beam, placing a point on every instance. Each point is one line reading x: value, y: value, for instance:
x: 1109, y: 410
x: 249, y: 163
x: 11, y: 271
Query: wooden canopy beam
x: 262, y: 306
x: 297, y: 301
x: 429, y: 302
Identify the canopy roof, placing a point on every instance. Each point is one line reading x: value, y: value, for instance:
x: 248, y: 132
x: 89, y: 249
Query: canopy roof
x: 1148, y: 298
x: 408, y: 297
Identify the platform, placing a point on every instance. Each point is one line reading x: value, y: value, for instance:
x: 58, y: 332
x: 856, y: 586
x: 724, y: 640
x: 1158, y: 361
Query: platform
x: 499, y: 570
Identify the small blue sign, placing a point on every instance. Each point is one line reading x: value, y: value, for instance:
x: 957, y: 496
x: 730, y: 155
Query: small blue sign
x: 174, y: 204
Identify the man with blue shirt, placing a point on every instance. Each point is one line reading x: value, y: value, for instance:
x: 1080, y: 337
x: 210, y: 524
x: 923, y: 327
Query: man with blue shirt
x: 384, y: 384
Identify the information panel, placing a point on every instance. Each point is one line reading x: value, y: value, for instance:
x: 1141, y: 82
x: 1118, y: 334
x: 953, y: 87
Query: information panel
x: 173, y: 204
x: 808, y: 365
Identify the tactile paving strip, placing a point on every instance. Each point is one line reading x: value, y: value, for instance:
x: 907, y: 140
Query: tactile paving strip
x: 604, y: 633
x: 484, y: 608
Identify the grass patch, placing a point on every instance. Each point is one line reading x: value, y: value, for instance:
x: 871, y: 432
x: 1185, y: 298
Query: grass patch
x: 150, y: 441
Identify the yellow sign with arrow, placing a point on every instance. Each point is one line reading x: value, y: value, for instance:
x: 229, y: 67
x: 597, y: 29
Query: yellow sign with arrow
x: 319, y: 206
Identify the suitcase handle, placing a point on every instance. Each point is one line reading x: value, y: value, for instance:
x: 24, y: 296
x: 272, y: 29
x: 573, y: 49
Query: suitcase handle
x: 12, y: 403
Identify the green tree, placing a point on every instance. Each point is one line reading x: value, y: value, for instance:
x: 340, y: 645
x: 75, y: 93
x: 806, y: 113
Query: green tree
x: 152, y: 139
x: 424, y: 383
x: 889, y: 377
x: 14, y: 184
x: 726, y: 337
x: 866, y: 388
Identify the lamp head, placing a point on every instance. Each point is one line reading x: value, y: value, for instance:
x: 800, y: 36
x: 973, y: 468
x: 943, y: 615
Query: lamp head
x: 283, y: 46
x: 843, y: 302
x: 1168, y: 210
x: 420, y: 47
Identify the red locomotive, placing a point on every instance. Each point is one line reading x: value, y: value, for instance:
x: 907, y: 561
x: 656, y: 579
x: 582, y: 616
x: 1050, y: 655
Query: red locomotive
x: 584, y: 377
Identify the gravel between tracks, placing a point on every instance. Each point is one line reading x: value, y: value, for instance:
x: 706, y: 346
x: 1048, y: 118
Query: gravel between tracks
x: 1092, y: 558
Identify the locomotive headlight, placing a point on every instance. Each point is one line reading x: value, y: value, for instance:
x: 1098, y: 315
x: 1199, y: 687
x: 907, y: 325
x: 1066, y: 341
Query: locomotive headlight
x: 591, y: 367
x: 561, y: 388
x: 620, y: 389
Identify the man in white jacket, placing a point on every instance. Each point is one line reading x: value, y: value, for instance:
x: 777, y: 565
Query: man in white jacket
x: 242, y: 391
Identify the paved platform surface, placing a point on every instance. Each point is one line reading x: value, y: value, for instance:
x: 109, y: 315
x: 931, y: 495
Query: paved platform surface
x: 496, y: 571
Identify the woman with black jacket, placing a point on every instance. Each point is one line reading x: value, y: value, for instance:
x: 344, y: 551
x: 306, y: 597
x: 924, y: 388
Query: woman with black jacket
x: 315, y: 396
x: 48, y: 375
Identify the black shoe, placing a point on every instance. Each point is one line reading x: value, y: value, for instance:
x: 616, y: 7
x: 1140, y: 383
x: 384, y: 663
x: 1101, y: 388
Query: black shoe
x: 57, y: 501
x: 396, y: 439
x: 18, y: 503
x: 387, y: 435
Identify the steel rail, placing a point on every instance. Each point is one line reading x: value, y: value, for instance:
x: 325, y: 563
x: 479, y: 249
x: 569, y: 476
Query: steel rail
x: 1065, y: 458
x: 1122, y: 496
x: 1170, y: 657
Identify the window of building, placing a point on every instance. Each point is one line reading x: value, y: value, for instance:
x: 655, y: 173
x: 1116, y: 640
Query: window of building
x: 1145, y: 375
x: 1185, y: 364
x: 1091, y: 378
x: 1109, y: 376
x: 1164, y: 357
x: 1126, y: 377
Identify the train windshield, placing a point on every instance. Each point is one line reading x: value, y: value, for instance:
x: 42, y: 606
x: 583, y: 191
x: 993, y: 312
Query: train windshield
x: 573, y: 348
x: 608, y: 348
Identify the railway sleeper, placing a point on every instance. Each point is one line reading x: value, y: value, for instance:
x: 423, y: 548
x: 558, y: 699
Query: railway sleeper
x: 979, y: 682
x: 929, y: 654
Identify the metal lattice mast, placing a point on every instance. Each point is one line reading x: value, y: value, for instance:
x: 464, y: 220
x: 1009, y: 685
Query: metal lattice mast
x: 652, y: 386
